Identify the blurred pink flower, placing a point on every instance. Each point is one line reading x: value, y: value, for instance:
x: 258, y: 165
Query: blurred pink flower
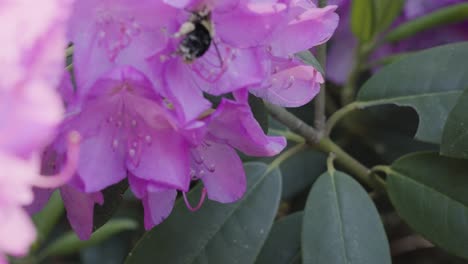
x: 32, y: 59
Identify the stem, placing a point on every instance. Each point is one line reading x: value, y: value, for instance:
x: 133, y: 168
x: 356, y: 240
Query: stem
x: 295, y: 124
x: 69, y: 51
x: 285, y: 155
x: 338, y: 115
x: 348, y: 162
x: 361, y: 53
x: 330, y: 159
x: 288, y: 135
x: 347, y: 94
x: 324, y: 144
x: 320, y: 100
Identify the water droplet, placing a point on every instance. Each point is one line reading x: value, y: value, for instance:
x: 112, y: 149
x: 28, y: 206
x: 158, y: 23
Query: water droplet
x: 134, y: 123
x: 211, y: 167
x: 201, y: 173
x: 291, y: 81
x: 131, y: 152
x: 193, y: 174
x: 115, y: 143
x: 148, y: 139
x: 276, y: 69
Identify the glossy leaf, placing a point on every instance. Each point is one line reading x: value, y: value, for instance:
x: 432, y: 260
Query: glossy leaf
x: 48, y: 217
x: 283, y: 244
x: 308, y: 58
x: 455, y: 136
x: 362, y: 19
x: 70, y: 243
x: 341, y: 224
x: 443, y: 16
x: 429, y: 193
x: 217, y: 233
x: 429, y: 81
x: 386, y: 12
x: 300, y: 171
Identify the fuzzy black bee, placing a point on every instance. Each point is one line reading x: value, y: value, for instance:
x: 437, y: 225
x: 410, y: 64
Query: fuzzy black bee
x: 197, y: 36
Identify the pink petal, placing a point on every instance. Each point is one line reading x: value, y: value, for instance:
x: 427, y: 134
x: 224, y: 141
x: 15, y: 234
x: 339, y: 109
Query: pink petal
x: 291, y: 87
x: 221, y: 171
x: 259, y: 18
x: 164, y: 161
x: 158, y: 205
x: 80, y: 209
x: 234, y: 124
x: 241, y: 68
x: 17, y: 231
x: 41, y: 197
x: 184, y: 92
x: 311, y: 28
x: 100, y: 165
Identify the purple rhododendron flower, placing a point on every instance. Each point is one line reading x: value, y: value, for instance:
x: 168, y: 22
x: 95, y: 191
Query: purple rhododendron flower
x: 340, y: 55
x: 33, y: 41
x: 214, y: 161
x: 232, y: 64
x: 139, y: 101
x: 128, y: 129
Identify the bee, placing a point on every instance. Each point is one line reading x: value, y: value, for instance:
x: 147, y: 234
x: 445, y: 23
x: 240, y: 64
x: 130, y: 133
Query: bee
x: 197, y: 36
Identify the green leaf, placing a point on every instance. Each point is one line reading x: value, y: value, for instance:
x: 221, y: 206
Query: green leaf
x: 259, y: 111
x: 341, y: 224
x: 443, y: 16
x: 362, y: 19
x: 300, y: 171
x: 113, y: 197
x: 283, y: 244
x: 429, y: 81
x: 48, y: 217
x: 308, y: 58
x: 429, y: 193
x: 386, y: 12
x: 455, y: 136
x: 217, y: 233
x: 70, y: 243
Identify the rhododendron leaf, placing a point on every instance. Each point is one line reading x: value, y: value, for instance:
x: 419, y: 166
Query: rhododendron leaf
x: 449, y: 15
x: 113, y: 196
x: 70, y: 243
x: 363, y: 19
x: 387, y: 12
x: 308, y: 58
x: 259, y: 112
x: 284, y: 242
x: 455, y: 137
x: 429, y: 193
x: 429, y: 81
x: 217, y: 233
x: 341, y: 216
x: 300, y: 171
x: 47, y: 218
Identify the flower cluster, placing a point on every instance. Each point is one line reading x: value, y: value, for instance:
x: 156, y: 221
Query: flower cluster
x: 142, y: 73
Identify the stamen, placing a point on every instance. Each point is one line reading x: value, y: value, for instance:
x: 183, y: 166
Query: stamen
x: 70, y: 167
x: 200, y: 202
